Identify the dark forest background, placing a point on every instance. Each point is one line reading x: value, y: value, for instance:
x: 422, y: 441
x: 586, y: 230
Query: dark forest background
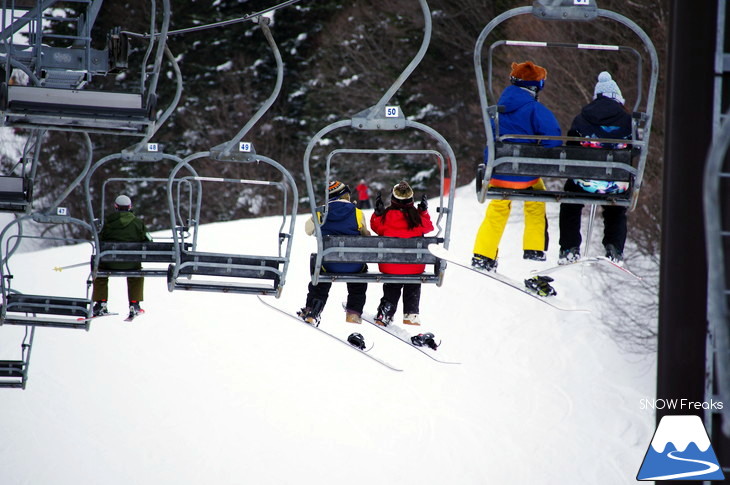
x: 340, y: 57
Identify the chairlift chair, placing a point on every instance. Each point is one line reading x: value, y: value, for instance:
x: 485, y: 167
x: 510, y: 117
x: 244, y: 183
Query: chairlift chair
x: 338, y: 248
x: 60, y: 67
x: 231, y: 272
x: 14, y: 372
x: 35, y: 309
x: 565, y: 162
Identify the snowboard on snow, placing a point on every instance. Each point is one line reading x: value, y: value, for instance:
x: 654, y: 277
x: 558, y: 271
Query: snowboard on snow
x: 364, y: 352
x: 444, y: 254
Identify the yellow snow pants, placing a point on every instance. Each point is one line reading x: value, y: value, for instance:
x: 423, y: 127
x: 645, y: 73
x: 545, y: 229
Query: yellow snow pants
x: 492, y: 227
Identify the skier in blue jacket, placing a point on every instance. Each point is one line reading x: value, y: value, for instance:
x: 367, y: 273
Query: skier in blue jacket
x: 344, y: 218
x: 523, y: 114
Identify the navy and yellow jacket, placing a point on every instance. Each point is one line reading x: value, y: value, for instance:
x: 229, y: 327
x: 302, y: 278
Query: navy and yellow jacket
x: 343, y: 218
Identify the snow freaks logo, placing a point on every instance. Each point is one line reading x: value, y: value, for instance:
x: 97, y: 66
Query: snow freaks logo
x: 680, y: 450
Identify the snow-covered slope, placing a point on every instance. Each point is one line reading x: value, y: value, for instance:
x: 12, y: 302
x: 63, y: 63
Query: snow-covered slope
x: 217, y: 388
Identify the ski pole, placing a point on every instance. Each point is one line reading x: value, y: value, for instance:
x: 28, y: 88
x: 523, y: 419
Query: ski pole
x: 61, y: 268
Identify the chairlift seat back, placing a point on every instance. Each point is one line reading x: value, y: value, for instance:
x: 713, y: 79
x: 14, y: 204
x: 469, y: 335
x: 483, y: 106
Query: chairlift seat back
x: 568, y: 161
x: 213, y: 264
x: 52, y: 305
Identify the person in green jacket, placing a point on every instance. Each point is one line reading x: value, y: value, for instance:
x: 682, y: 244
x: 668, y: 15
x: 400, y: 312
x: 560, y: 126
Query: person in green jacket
x: 121, y: 226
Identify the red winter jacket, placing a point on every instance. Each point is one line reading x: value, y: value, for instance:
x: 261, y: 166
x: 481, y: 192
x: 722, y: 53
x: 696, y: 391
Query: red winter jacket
x: 394, y: 224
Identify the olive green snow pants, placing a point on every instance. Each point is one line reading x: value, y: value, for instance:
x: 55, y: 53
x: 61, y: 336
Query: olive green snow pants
x: 135, y: 288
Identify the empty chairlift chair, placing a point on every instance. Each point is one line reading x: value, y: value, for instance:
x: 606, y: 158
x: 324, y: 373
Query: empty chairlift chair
x: 14, y: 372
x: 40, y: 309
x: 230, y: 272
x: 564, y: 162
x: 60, y: 68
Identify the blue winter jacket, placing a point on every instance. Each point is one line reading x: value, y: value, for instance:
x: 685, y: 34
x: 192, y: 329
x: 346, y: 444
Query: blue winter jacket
x: 523, y: 114
x: 343, y: 218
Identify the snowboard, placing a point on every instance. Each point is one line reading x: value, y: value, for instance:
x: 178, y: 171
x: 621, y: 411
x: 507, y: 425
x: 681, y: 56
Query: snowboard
x: 444, y: 254
x: 403, y: 336
x: 595, y: 262
x: 331, y: 335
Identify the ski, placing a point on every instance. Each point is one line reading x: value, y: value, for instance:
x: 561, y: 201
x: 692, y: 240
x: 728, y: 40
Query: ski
x: 401, y: 335
x: 88, y: 319
x: 132, y: 317
x: 598, y: 261
x: 444, y: 254
x: 343, y: 341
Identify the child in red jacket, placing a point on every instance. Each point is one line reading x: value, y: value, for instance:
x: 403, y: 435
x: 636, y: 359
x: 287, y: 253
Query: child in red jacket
x: 400, y: 219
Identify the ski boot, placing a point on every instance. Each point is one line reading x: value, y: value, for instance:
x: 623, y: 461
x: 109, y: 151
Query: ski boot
x: 483, y: 263
x: 385, y: 313
x: 424, y: 339
x: 100, y: 309
x: 540, y: 285
x: 356, y: 340
x: 533, y: 255
x: 567, y: 256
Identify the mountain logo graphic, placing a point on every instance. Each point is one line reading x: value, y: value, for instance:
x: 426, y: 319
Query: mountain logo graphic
x: 680, y: 450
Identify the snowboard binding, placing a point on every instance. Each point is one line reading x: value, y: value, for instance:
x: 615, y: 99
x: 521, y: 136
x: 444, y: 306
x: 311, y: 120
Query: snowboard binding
x: 424, y: 340
x: 541, y: 285
x: 356, y: 340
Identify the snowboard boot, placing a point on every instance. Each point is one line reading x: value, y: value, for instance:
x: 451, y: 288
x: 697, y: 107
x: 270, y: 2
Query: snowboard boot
x: 411, y: 319
x: 541, y: 285
x: 134, y: 309
x: 385, y: 313
x: 311, y: 315
x: 100, y: 309
x: 567, y: 256
x: 424, y: 340
x: 356, y: 340
x: 352, y: 317
x: 483, y: 263
x: 533, y: 255
x: 613, y: 254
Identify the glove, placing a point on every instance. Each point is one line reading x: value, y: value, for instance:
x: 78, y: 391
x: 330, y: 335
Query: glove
x: 379, y: 206
x: 423, y: 205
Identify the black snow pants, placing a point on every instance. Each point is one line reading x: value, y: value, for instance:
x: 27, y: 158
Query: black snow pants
x: 317, y: 296
x: 614, y: 223
x: 411, y: 296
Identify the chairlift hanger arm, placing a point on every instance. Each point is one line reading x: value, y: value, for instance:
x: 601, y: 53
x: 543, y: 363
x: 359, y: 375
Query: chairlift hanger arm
x: 380, y: 105
x: 272, y: 97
